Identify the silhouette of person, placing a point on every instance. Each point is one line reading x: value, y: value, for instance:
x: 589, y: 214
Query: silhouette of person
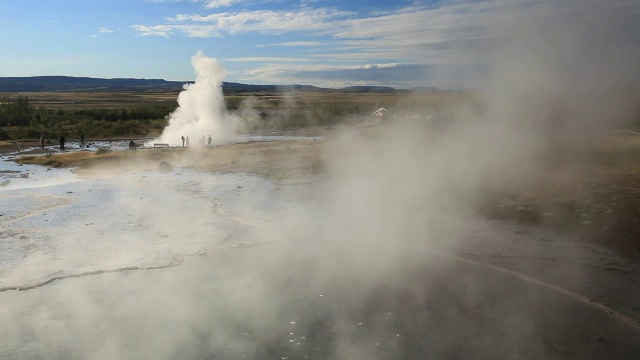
x: 61, y: 139
x: 187, y: 140
x: 81, y: 138
x: 42, y: 141
x: 209, y: 143
x: 182, y: 137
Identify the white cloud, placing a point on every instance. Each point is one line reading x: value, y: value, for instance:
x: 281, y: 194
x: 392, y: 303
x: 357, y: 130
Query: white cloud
x: 199, y: 31
x: 400, y: 75
x: 154, y: 30
x: 267, y: 59
x: 301, y: 43
x: 104, y: 30
x: 441, y: 29
x: 445, y: 32
x: 268, y: 21
x: 193, y: 31
x: 220, y: 3
x: 369, y: 55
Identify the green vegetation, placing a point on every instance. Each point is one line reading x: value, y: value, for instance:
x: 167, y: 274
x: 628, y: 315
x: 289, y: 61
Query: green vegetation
x: 136, y: 114
x: 16, y: 110
x: 103, y: 150
x: 22, y: 120
x: 267, y: 112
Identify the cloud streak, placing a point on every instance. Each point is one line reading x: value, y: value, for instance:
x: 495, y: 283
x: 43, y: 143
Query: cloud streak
x: 268, y: 59
x: 435, y: 35
x: 211, y: 4
x: 392, y: 74
x: 268, y: 21
x: 193, y: 31
x: 414, y: 34
x: 300, y: 43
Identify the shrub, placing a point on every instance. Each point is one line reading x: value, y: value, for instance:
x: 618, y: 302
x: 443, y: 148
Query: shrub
x: 103, y: 150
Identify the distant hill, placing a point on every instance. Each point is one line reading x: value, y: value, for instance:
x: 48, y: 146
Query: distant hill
x: 69, y: 84
x: 230, y: 88
x: 368, y: 89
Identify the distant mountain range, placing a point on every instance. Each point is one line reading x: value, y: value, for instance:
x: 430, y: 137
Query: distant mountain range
x: 69, y: 84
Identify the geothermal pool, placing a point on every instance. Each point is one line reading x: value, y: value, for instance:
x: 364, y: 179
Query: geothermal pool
x: 58, y: 225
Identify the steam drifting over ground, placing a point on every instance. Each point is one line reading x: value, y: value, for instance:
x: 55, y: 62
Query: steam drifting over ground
x: 384, y: 256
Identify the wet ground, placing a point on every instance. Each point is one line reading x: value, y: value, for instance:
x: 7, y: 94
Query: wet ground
x: 204, y: 262
x: 275, y: 301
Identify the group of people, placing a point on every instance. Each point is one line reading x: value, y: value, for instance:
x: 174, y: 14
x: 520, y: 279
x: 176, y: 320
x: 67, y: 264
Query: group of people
x: 61, y: 140
x: 201, y: 141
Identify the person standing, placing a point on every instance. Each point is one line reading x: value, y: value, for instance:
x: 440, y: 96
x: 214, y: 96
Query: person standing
x: 61, y: 139
x: 81, y: 138
x: 42, y: 141
x: 209, y: 141
x: 182, y: 137
x: 187, y: 140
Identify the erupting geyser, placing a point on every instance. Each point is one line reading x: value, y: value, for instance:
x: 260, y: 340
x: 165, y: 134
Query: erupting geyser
x: 201, y: 108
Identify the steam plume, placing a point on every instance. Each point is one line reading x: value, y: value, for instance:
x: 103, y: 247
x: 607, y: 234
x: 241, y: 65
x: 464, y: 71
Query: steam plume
x: 201, y: 108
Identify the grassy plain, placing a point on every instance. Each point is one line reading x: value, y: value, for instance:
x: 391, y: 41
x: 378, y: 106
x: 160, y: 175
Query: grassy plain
x: 107, y: 99
x: 128, y: 99
x: 131, y: 114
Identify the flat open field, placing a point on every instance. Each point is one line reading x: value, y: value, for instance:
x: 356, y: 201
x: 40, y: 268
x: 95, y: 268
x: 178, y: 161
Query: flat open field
x: 124, y: 99
x: 80, y: 100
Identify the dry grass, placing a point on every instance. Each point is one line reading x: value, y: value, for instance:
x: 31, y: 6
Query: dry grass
x: 73, y: 159
x: 80, y: 100
x: 126, y: 99
x: 274, y: 160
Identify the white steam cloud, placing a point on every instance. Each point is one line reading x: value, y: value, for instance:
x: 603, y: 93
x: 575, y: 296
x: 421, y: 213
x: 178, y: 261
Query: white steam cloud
x: 201, y: 107
x: 349, y: 264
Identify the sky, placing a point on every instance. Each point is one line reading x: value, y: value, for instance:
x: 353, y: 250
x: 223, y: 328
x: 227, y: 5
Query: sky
x: 331, y: 43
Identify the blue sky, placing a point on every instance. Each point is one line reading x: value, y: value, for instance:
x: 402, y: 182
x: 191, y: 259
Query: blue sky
x: 320, y: 42
x: 332, y: 43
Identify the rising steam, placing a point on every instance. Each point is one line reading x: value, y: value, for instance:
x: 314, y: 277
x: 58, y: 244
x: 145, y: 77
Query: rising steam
x: 201, y: 108
x: 347, y: 265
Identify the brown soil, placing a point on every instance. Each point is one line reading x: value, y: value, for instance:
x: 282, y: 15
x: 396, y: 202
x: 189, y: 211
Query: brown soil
x: 591, y: 193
